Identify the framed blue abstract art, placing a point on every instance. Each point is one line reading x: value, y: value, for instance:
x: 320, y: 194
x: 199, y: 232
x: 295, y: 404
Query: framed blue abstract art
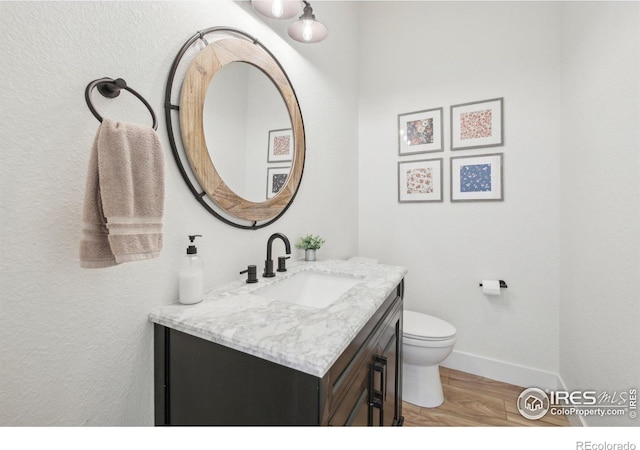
x: 477, y: 178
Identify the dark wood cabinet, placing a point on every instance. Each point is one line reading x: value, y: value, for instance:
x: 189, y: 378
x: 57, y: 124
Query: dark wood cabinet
x: 198, y: 382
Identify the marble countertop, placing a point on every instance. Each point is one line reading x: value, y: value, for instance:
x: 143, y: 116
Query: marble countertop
x: 305, y: 338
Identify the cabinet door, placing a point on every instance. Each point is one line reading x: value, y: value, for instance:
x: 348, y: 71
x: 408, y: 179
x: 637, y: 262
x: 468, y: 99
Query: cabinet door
x: 356, y: 415
x: 391, y: 386
x: 354, y: 408
x: 386, y: 375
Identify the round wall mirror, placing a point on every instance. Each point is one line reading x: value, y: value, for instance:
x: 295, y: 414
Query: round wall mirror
x: 241, y: 128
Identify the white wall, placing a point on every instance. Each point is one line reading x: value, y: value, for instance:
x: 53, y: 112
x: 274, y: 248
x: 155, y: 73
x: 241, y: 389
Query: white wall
x: 432, y: 54
x: 567, y: 236
x: 600, y: 199
x: 75, y: 344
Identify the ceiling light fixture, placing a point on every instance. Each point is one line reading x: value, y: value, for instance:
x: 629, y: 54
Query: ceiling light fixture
x: 277, y: 9
x: 307, y: 29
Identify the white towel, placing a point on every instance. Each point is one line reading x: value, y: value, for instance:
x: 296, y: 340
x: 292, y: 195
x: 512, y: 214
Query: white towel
x: 124, y: 196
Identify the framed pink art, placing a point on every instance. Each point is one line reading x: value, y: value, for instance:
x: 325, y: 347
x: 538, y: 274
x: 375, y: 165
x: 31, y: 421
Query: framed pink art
x: 420, y: 181
x: 280, y: 145
x: 477, y: 124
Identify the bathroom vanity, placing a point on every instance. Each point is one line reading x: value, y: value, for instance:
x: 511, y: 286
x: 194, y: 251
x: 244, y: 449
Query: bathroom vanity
x: 245, y: 356
x: 318, y: 344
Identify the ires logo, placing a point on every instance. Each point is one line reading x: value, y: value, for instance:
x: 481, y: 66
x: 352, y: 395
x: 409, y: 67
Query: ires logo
x: 575, y: 398
x: 534, y: 403
x: 592, y: 398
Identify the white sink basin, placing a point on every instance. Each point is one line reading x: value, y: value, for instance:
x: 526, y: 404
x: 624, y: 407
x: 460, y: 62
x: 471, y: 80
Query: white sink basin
x: 314, y: 289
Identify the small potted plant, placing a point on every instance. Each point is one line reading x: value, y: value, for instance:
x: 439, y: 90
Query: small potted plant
x: 310, y: 244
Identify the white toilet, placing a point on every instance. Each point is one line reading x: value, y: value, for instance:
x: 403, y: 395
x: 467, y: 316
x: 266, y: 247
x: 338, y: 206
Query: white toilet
x: 427, y: 341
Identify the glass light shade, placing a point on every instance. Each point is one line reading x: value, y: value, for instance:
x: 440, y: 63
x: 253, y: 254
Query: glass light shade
x: 277, y: 9
x: 308, y: 31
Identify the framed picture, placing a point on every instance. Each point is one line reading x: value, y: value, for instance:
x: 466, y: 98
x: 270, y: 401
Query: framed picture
x: 477, y: 124
x: 420, y: 181
x: 476, y: 178
x: 276, y: 179
x: 280, y: 145
x: 420, y: 132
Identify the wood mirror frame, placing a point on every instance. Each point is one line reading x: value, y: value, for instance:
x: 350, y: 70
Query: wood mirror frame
x: 201, y: 71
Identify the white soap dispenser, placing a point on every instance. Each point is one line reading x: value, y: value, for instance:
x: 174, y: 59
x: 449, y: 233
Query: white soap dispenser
x: 191, y: 285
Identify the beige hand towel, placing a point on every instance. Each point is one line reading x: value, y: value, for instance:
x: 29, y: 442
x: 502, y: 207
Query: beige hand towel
x: 124, y: 197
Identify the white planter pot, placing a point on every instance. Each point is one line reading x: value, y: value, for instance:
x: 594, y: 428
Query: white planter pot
x: 310, y: 255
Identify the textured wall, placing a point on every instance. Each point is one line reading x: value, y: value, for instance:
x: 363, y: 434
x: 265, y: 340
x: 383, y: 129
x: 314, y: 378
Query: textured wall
x: 75, y: 344
x: 600, y: 200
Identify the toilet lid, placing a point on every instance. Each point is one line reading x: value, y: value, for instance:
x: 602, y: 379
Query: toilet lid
x: 424, y: 327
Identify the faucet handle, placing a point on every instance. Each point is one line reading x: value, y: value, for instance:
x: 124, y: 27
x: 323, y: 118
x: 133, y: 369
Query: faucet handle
x: 252, y: 276
x: 282, y: 263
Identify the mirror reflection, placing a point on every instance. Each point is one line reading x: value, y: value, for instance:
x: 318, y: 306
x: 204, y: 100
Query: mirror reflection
x: 248, y: 131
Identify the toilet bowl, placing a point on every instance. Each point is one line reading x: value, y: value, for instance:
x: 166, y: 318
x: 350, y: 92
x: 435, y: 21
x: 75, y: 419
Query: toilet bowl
x: 427, y: 341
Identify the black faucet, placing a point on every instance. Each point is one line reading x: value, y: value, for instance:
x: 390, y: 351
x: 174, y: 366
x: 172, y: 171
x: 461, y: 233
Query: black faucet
x: 268, y: 264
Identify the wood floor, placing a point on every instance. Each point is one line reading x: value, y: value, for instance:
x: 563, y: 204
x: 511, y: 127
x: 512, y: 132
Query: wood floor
x: 474, y: 401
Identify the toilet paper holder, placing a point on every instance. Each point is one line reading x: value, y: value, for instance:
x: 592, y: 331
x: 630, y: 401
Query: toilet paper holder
x: 502, y: 284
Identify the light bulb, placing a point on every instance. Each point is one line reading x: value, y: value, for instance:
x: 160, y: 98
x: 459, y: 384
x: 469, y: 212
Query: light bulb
x: 307, y: 31
x: 277, y: 8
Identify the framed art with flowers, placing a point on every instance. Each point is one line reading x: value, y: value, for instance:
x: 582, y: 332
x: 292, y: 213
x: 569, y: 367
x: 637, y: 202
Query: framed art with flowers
x: 477, y: 124
x: 280, y: 145
x: 420, y: 181
x: 477, y: 178
x: 420, y: 132
x: 276, y: 180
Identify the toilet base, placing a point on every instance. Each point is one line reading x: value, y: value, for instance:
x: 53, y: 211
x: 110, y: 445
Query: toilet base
x: 421, y: 385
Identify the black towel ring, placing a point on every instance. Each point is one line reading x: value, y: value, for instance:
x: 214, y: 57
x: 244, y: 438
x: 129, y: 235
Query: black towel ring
x: 111, y: 88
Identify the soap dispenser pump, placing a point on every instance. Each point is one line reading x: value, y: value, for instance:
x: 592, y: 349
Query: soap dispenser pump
x: 191, y: 285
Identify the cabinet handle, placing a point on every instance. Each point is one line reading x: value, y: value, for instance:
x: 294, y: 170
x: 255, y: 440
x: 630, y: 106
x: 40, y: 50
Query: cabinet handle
x: 381, y: 361
x: 377, y: 397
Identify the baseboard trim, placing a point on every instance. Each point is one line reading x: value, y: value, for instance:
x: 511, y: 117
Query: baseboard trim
x: 502, y: 371
x: 574, y: 420
x: 508, y: 373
